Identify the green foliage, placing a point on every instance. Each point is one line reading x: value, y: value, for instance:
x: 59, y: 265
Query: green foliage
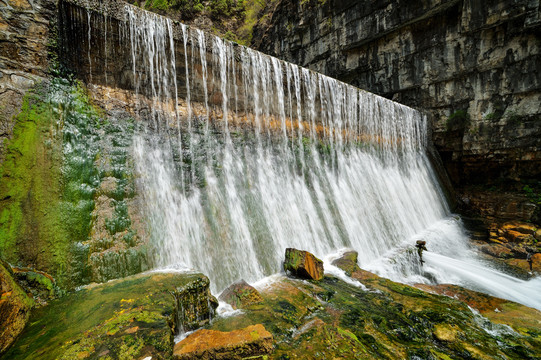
x: 493, y: 116
x: 514, y: 118
x: 187, y: 8
x: 226, y: 8
x: 458, y: 120
x: 532, y: 194
x: 157, y: 4
x: 231, y: 36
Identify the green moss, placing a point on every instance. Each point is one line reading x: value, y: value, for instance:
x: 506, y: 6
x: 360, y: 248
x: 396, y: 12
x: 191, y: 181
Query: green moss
x: 120, y: 221
x: 30, y: 183
x: 49, y: 178
x: 116, y: 319
x: 395, y: 321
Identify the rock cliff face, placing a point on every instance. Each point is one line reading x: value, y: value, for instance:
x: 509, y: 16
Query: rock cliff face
x: 475, y: 66
x: 24, y: 30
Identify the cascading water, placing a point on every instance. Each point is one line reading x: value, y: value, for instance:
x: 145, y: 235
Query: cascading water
x: 258, y: 155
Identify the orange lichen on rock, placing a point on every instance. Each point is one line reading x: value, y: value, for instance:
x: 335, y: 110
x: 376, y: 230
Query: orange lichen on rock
x: 211, y: 344
x: 303, y: 264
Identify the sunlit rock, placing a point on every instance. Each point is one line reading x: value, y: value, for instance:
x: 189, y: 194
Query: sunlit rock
x: 303, y: 264
x: 251, y: 342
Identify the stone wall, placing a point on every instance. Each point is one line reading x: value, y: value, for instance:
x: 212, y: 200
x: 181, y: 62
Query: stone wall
x: 475, y: 66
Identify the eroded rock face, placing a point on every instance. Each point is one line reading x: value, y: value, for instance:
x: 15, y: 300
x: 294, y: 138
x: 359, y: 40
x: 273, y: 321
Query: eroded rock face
x: 240, y: 294
x: 252, y: 342
x: 303, y: 264
x: 130, y: 318
x: 15, y: 308
x: 474, y: 66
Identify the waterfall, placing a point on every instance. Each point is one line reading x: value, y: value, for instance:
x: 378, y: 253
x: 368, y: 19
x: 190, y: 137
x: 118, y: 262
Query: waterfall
x: 240, y: 155
x: 278, y: 157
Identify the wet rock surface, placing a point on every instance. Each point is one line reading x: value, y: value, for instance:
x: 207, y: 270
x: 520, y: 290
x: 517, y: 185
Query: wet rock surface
x: 512, y: 244
x: 15, y: 306
x: 252, y: 342
x: 196, y: 305
x: 131, y: 318
x: 39, y: 285
x: 334, y: 320
x: 303, y: 264
x: 240, y: 294
x: 348, y: 262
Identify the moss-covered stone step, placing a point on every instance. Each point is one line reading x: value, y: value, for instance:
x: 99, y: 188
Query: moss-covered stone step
x: 130, y: 318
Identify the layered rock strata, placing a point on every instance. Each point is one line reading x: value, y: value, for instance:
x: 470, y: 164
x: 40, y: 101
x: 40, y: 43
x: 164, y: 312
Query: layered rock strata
x: 474, y: 66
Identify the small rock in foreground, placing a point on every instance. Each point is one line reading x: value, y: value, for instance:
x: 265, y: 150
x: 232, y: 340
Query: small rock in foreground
x: 303, y: 264
x: 15, y: 307
x: 240, y: 294
x: 251, y: 342
x: 348, y: 262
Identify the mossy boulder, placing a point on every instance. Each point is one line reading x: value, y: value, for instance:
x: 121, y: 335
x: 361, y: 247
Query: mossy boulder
x: 347, y: 262
x: 252, y: 342
x: 129, y: 318
x: 195, y: 304
x: 303, y: 264
x: 240, y: 294
x: 15, y: 306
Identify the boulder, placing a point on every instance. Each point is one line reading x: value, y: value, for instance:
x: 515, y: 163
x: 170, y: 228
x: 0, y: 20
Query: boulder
x: 195, y: 304
x: 348, y: 262
x: 303, y: 264
x: 252, y: 342
x: 15, y: 307
x: 240, y: 294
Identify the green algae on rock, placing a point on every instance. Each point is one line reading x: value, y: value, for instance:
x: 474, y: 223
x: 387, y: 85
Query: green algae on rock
x: 348, y: 262
x: 332, y: 319
x: 130, y: 318
x: 55, y: 211
x: 303, y: 264
x: 240, y: 294
x: 48, y: 179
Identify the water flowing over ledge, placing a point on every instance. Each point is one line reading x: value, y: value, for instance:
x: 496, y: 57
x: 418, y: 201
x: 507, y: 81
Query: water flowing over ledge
x: 240, y: 155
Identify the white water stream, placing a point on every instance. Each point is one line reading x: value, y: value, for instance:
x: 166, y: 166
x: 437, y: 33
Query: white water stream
x: 279, y: 156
